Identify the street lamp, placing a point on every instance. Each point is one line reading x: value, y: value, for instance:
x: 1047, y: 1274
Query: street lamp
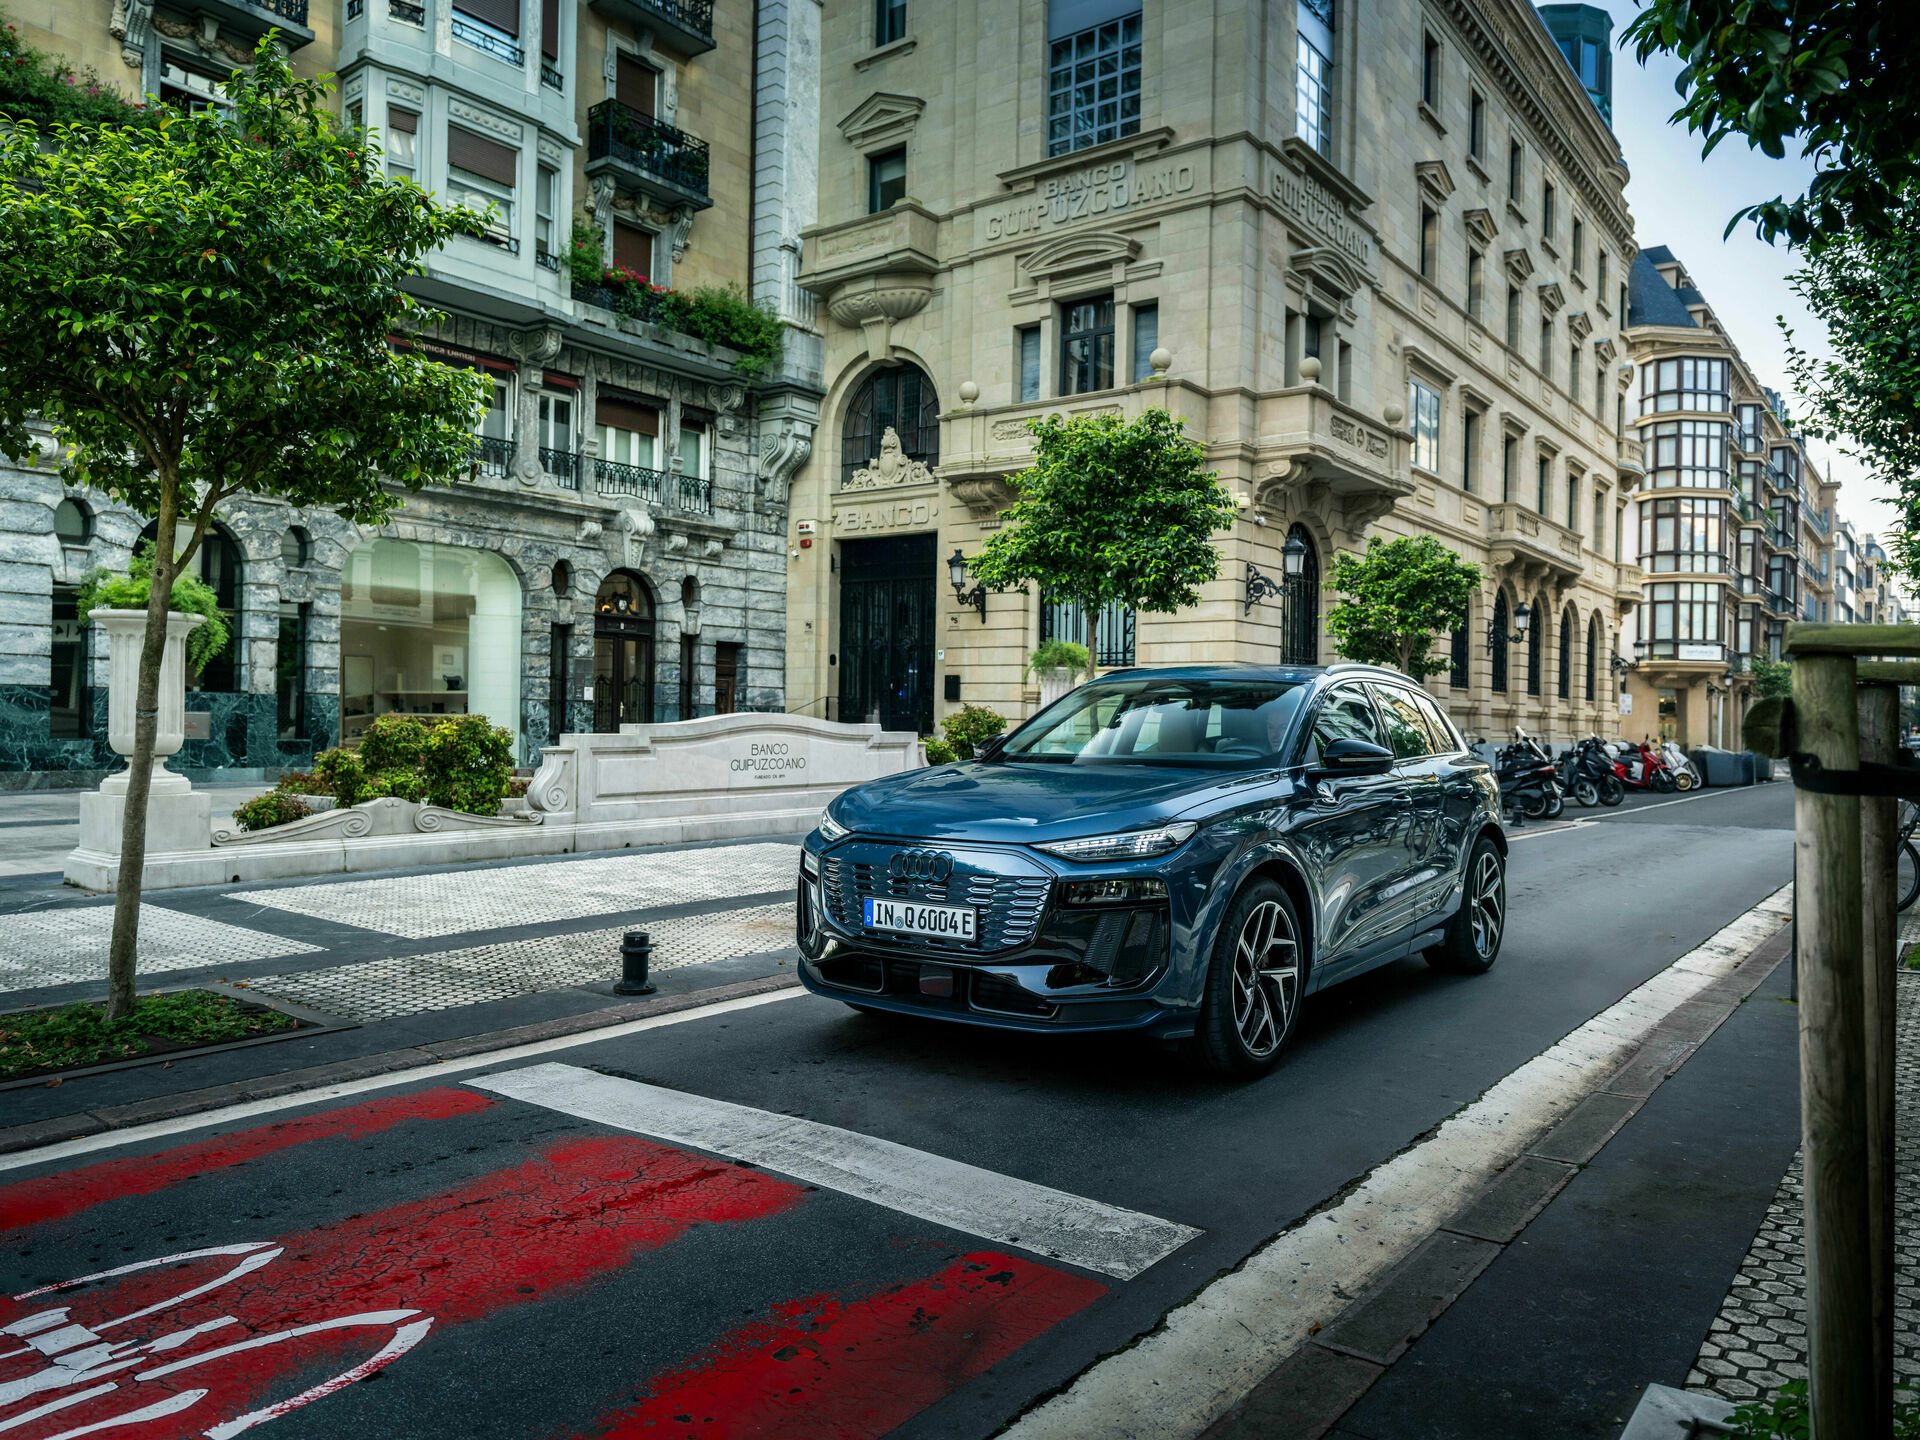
x: 1621, y: 667
x: 1293, y: 558
x: 1498, y: 639
x: 957, y: 576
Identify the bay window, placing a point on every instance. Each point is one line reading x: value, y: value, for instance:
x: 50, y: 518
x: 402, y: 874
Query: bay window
x: 1423, y: 407
x: 1683, y: 383
x: 1688, y: 454
x: 1683, y: 535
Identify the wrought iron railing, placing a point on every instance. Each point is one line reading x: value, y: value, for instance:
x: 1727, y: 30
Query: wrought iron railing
x: 356, y: 8
x: 612, y: 478
x: 565, y: 466
x: 695, y: 15
x: 294, y: 10
x: 550, y: 75
x: 696, y: 495
x: 492, y: 456
x: 406, y: 11
x: 480, y: 38
x: 621, y: 133
x: 546, y: 259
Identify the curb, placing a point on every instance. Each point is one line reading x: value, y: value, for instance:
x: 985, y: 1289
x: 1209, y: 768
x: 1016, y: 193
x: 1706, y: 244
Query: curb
x: 1307, y: 1393
x: 190, y: 1102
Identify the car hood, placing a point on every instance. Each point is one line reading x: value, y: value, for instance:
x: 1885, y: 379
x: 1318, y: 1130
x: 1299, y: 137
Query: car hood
x: 1025, y: 804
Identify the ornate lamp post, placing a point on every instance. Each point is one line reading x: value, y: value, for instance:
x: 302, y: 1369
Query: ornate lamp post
x: 957, y: 576
x: 1498, y: 639
x: 1293, y: 558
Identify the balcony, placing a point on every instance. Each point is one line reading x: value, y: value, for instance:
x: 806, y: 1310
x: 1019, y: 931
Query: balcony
x: 492, y: 456
x: 1633, y: 456
x: 565, y: 466
x: 407, y: 12
x: 482, y: 37
x: 1748, y: 442
x: 695, y: 495
x: 1531, y: 547
x: 551, y: 77
x: 632, y: 481
x: 685, y: 25
x: 648, y: 155
x: 247, y: 20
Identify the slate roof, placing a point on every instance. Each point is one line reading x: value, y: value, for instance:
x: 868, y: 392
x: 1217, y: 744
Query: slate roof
x: 1650, y: 300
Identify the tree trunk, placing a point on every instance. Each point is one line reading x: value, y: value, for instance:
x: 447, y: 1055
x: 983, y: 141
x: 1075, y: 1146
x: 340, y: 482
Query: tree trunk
x: 1093, y: 641
x: 125, y: 946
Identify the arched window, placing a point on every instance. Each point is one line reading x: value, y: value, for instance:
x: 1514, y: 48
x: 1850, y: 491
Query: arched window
x: 1593, y: 655
x: 294, y: 547
x: 218, y: 563
x: 901, y: 399
x: 1300, y: 606
x: 1500, y: 643
x: 1462, y: 675
x: 1536, y: 648
x: 72, y: 522
x: 1566, y: 653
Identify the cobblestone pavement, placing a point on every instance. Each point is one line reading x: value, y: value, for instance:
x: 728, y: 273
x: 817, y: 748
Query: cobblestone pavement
x: 444, y: 980
x: 421, y: 907
x: 1758, y: 1342
x: 62, y: 946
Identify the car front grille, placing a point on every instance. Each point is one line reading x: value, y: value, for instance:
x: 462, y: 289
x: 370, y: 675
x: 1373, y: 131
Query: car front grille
x: 1009, y: 904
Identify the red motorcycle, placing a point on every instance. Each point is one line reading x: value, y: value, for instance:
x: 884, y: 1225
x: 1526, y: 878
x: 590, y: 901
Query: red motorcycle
x: 1640, y: 767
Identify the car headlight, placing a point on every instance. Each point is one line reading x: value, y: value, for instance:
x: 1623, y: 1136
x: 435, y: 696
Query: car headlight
x: 1128, y: 845
x: 830, y: 828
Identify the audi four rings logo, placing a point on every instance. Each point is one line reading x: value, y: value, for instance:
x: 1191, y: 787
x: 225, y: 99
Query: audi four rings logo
x: 920, y: 865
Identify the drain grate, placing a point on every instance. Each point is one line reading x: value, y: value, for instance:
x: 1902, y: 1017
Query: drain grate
x: 444, y: 980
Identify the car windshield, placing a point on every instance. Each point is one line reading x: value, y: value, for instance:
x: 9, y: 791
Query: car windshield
x: 1215, y: 723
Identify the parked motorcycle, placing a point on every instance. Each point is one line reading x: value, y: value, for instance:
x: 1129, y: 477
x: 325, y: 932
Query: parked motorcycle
x: 1586, y: 773
x: 1685, y: 775
x: 1639, y: 767
x: 1529, y: 780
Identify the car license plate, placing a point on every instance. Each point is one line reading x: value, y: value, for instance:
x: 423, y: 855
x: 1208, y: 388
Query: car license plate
x: 944, y: 922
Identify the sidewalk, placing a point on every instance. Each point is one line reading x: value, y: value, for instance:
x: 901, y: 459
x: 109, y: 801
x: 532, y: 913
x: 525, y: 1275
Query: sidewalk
x: 39, y: 827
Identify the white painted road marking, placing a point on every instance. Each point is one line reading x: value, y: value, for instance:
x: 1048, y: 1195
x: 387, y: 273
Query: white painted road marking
x: 1000, y: 1208
x: 1216, y: 1347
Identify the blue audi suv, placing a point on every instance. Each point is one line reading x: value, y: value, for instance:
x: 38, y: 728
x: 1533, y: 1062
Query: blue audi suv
x: 1186, y: 853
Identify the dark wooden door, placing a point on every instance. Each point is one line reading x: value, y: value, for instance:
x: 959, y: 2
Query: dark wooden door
x: 887, y: 632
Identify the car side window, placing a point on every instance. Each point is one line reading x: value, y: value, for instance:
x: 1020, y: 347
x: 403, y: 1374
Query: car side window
x: 1406, y: 726
x: 1346, y: 714
x: 1446, y: 740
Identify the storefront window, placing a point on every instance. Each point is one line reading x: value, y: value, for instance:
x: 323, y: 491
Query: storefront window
x: 428, y: 630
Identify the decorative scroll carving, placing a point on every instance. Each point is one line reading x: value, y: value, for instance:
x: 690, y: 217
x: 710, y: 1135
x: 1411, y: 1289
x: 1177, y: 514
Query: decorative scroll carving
x: 784, y: 448
x: 985, y: 496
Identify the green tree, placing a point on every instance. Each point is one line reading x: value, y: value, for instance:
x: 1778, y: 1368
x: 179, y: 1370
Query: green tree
x: 1836, y: 75
x: 1395, y: 598
x: 200, y: 308
x: 1772, y: 679
x: 1111, y: 510
x: 1865, y: 400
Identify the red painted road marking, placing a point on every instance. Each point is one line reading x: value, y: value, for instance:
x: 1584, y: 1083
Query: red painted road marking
x: 55, y: 1197
x: 831, y: 1370
x: 257, y: 1328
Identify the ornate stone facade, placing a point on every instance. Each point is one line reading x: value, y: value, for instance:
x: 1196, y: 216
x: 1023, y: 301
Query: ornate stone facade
x: 1297, y: 295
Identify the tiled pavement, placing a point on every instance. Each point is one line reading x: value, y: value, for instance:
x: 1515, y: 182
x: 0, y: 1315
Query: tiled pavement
x: 444, y: 980
x: 1758, y: 1342
x: 56, y: 946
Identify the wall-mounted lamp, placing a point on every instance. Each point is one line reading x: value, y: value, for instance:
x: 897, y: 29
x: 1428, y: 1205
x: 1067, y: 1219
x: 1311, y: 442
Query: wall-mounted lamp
x: 1293, y: 558
x: 1498, y: 639
x: 957, y: 576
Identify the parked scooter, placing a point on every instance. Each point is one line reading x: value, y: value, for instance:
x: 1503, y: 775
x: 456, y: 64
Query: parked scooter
x: 1639, y: 767
x: 1685, y: 776
x: 1586, y: 773
x: 1529, y: 780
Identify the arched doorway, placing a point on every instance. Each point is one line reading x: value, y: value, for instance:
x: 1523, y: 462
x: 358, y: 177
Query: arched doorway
x: 622, y: 652
x: 1593, y: 656
x: 1499, y: 666
x: 899, y: 398
x: 1300, y: 606
x: 1566, y: 653
x: 218, y: 563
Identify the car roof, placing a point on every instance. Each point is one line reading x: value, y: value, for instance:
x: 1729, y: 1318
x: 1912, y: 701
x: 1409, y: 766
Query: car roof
x: 1299, y: 674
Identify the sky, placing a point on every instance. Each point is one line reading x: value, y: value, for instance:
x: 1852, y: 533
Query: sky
x: 1683, y: 202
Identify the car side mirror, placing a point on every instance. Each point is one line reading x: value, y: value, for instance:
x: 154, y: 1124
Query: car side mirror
x: 1354, y: 757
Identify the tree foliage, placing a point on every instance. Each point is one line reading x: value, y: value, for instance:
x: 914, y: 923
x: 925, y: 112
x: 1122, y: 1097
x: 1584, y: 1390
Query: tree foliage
x: 1835, y: 75
x: 1865, y: 400
x: 46, y: 89
x: 201, y: 308
x: 1395, y: 598
x: 1111, y: 510
x: 1772, y: 679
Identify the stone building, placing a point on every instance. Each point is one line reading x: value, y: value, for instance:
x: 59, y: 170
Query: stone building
x: 1373, y: 254
x: 1733, y: 523
x: 614, y: 554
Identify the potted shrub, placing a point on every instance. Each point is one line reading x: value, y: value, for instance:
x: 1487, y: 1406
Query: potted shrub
x: 1060, y: 664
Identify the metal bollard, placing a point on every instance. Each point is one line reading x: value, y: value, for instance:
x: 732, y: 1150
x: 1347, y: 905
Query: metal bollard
x: 636, y: 949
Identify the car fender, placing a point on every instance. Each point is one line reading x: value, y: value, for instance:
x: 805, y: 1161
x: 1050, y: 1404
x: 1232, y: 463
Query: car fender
x: 1257, y: 852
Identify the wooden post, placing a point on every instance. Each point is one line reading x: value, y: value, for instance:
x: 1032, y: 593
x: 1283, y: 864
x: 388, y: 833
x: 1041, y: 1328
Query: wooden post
x: 1879, y: 740
x: 1833, y: 1121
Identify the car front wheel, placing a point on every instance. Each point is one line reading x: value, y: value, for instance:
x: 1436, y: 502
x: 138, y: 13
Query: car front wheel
x: 1254, y: 985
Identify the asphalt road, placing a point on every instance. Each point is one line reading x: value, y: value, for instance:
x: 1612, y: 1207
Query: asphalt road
x: 507, y: 1259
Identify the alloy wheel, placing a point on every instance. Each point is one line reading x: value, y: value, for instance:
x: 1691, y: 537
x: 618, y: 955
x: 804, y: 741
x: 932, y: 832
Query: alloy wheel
x: 1489, y: 903
x: 1266, y: 979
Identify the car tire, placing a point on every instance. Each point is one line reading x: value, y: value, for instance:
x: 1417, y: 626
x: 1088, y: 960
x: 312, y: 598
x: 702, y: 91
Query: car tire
x: 1473, y: 937
x: 1255, y: 983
